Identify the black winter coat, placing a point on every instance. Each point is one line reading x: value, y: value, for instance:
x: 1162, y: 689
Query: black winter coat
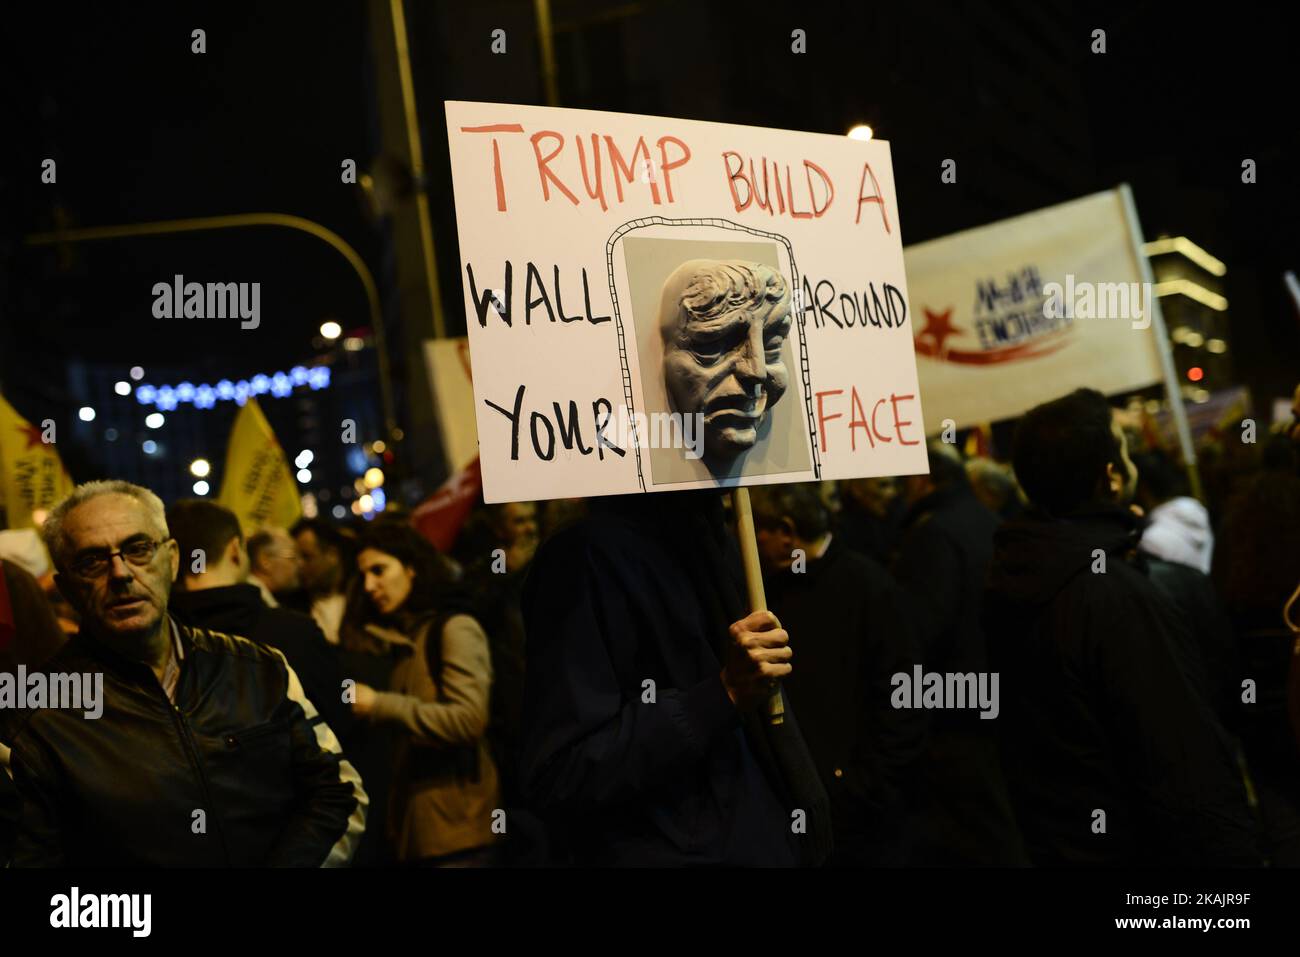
x: 850, y: 635
x: 631, y: 746
x: 242, y: 744
x: 942, y: 562
x: 1098, y: 713
x: 240, y: 610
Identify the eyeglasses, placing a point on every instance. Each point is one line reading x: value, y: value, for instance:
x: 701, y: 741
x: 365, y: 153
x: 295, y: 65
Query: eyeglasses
x: 138, y: 553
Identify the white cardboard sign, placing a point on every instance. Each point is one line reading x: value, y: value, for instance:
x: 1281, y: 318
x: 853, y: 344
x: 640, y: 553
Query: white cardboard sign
x: 657, y: 304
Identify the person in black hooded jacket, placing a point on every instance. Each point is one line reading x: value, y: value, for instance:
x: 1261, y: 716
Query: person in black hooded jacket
x: 218, y: 596
x: 644, y: 742
x: 1111, y: 755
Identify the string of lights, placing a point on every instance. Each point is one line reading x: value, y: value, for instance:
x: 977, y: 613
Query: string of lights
x: 205, y: 396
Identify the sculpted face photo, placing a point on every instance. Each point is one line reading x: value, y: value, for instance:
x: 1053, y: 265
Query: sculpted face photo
x: 724, y: 323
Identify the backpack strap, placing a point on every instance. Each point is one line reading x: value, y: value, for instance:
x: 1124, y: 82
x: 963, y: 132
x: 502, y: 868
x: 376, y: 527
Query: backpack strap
x: 464, y: 757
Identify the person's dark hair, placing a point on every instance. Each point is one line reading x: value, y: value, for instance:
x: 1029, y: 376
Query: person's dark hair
x: 328, y: 534
x: 1159, y: 476
x: 1062, y: 448
x: 259, y: 542
x: 801, y: 502
x: 199, y: 524
x: 434, y: 578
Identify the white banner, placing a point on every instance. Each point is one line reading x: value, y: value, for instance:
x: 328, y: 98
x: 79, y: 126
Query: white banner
x: 658, y: 304
x: 1027, y: 309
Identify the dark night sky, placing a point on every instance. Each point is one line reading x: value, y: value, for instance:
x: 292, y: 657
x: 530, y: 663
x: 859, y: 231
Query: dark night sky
x: 142, y: 129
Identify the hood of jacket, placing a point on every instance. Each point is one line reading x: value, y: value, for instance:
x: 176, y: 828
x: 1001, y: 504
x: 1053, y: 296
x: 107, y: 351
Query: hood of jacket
x: 1035, y: 556
x: 233, y: 609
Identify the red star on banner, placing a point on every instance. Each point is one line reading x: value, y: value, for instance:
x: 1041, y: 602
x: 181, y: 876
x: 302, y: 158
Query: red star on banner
x: 938, y: 326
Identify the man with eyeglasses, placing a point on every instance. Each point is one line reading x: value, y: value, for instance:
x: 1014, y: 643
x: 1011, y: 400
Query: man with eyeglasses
x: 275, y: 566
x: 207, y: 752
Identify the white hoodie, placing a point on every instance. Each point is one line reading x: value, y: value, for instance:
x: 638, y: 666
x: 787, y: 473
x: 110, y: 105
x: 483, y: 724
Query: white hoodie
x: 1180, y: 532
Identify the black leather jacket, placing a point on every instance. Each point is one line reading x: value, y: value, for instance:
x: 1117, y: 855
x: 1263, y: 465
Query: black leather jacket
x: 242, y: 744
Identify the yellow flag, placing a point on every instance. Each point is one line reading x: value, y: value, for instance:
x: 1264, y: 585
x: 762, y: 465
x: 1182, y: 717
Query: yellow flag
x: 257, y: 484
x: 32, y: 477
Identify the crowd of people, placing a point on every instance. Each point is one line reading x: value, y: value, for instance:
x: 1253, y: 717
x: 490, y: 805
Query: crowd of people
x: 583, y: 682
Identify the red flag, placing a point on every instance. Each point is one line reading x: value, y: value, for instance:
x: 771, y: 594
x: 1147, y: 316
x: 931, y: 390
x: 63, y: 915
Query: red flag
x: 440, y: 517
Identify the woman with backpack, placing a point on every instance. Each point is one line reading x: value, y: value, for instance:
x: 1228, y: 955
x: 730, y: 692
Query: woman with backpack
x: 407, y: 610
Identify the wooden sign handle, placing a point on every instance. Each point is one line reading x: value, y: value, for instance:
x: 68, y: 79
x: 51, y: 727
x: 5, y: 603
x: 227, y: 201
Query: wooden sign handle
x: 754, y: 581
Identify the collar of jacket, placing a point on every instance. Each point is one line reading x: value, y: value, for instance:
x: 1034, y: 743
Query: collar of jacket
x: 242, y: 595
x: 1112, y: 516
x: 402, y: 629
x: 130, y: 667
x: 390, y: 635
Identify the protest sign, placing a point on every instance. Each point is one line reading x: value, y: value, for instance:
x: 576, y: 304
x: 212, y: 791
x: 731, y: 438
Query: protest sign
x: 658, y: 304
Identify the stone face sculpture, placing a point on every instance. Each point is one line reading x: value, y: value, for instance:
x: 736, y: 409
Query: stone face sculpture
x: 724, y: 324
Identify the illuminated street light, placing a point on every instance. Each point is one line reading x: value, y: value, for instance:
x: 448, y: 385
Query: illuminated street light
x: 86, y: 414
x: 200, y: 468
x: 331, y: 330
x: 154, y: 420
x: 861, y: 132
x: 201, y: 487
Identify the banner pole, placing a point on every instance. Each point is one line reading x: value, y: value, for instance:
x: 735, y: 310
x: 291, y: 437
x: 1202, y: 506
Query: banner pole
x: 1172, y: 387
x: 748, y: 540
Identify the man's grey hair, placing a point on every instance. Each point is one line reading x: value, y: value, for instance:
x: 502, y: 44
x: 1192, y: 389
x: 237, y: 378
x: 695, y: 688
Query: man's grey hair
x: 56, y: 538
